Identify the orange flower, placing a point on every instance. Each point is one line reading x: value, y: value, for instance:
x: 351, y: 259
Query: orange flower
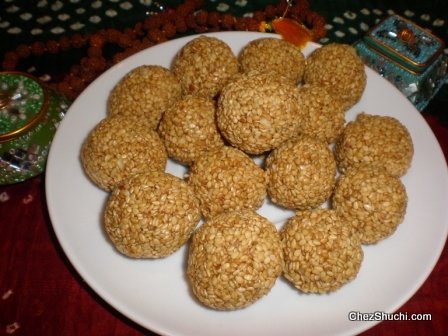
x: 291, y: 30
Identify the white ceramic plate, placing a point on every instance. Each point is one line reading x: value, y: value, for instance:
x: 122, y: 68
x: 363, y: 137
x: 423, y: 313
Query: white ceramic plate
x: 155, y: 293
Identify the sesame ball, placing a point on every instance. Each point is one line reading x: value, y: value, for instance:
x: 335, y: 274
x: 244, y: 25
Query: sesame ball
x: 117, y: 148
x: 321, y: 114
x: 234, y: 259
x: 226, y: 179
x: 188, y: 129
x: 321, y: 253
x: 204, y: 65
x: 338, y: 68
x: 301, y: 173
x: 146, y: 91
x: 257, y: 112
x: 151, y: 215
x: 373, y: 201
x: 274, y: 55
x: 381, y: 142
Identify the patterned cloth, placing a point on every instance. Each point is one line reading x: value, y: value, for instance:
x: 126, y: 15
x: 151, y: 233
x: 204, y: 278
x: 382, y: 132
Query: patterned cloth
x: 22, y: 20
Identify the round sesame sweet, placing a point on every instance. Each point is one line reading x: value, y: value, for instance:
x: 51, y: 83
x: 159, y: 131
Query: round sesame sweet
x: 301, y: 173
x: 117, y: 148
x: 234, y: 259
x: 146, y: 91
x: 204, y: 65
x: 373, y: 201
x: 188, y: 129
x: 151, y: 215
x: 274, y: 55
x: 226, y: 179
x: 381, y: 142
x: 257, y: 112
x: 321, y: 114
x: 321, y: 253
x: 338, y: 68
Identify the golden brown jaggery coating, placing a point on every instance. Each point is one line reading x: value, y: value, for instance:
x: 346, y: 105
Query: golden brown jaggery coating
x: 226, y: 179
x: 338, y: 68
x: 273, y: 55
x: 372, y: 201
x: 151, y: 215
x: 321, y: 253
x: 118, y: 147
x: 234, y: 259
x: 381, y: 142
x: 301, y: 173
x: 188, y: 129
x: 257, y: 112
x: 321, y: 114
x: 146, y: 91
x: 204, y: 65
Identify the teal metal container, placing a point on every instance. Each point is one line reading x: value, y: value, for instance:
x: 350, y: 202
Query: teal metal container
x: 408, y: 56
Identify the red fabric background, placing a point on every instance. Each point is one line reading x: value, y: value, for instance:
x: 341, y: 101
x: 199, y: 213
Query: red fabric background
x: 43, y: 295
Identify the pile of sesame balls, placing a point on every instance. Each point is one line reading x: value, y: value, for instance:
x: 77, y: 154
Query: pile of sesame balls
x: 215, y: 112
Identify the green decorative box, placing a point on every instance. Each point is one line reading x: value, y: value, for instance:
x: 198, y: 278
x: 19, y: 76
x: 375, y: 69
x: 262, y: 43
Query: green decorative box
x: 406, y: 55
x: 29, y: 116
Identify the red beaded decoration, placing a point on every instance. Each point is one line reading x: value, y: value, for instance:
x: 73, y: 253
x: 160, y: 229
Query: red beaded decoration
x: 156, y: 28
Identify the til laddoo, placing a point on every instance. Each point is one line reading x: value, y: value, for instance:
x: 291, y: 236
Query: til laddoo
x: 372, y: 201
x: 204, y: 65
x: 188, y: 129
x: 234, y: 259
x: 337, y: 67
x: 321, y: 114
x: 321, y: 253
x: 273, y: 55
x: 117, y: 148
x: 151, y: 215
x: 226, y: 179
x: 258, y: 111
x: 301, y: 173
x: 381, y: 142
x: 145, y: 91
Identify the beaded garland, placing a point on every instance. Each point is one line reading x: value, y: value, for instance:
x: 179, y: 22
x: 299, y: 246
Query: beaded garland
x: 156, y: 28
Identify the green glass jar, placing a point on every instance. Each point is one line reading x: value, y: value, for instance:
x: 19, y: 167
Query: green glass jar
x: 30, y: 113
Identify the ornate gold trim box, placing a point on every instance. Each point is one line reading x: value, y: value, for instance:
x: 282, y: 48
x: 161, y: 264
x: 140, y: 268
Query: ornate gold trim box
x: 30, y: 112
x: 408, y: 56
